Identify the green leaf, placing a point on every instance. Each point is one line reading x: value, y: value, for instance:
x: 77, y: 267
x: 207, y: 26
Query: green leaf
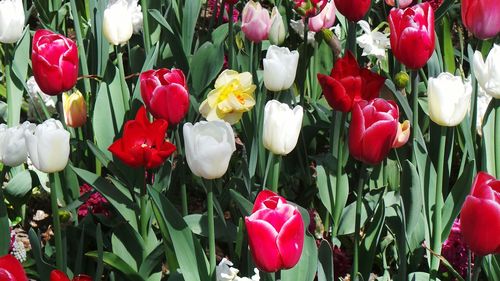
x: 192, y: 260
x: 4, y: 226
x: 126, y: 241
x: 306, y: 268
x: 199, y: 225
x: 448, y: 50
x: 489, y: 138
x: 152, y: 261
x: 419, y: 276
x: 244, y: 205
x: 18, y: 68
x: 349, y: 217
x: 369, y: 243
x: 411, y: 194
x: 191, y: 11
x: 42, y: 267
x: 206, y: 64
x: 491, y: 266
x: 325, y: 184
x: 325, y: 264
x: 149, y: 63
x: 19, y: 185
x: 117, y: 263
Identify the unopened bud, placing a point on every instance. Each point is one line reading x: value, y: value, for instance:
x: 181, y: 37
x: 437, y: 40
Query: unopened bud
x: 401, y: 80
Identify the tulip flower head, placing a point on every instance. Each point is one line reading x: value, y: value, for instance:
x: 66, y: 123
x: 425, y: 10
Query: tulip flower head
x: 412, y: 34
x: 275, y: 232
x: 309, y: 8
x: 277, y: 30
x: 57, y: 275
x: 480, y: 216
x: 449, y: 99
x: 348, y: 84
x: 280, y: 68
x: 481, y: 18
x: 55, y: 62
x: 488, y: 72
x: 122, y: 18
x: 325, y: 19
x: 48, y: 146
x: 75, y: 109
x: 281, y: 127
x: 373, y: 129
x: 209, y: 146
x: 11, y: 269
x: 403, y: 134
x: 353, y: 10
x: 13, y: 150
x: 143, y: 142
x: 233, y: 95
x: 165, y: 94
x: 255, y: 22
x: 11, y: 20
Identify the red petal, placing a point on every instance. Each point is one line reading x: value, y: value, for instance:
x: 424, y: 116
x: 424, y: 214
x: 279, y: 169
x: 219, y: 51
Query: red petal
x: 335, y: 93
x: 262, y: 241
x: 261, y: 197
x: 11, y: 268
x: 57, y: 275
x: 291, y: 240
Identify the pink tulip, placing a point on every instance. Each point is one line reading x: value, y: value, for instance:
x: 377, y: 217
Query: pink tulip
x: 324, y: 19
x: 481, y: 17
x: 275, y: 232
x: 256, y: 22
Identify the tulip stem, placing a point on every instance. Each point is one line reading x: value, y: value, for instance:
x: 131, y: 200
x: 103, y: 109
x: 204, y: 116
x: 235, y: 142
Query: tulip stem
x: 364, y: 174
x: 145, y: 26
x: 55, y: 184
x: 123, y: 83
x: 4, y: 221
x: 211, y: 228
x: 143, y: 218
x: 478, y: 261
x: 11, y: 119
x: 414, y: 95
x: 81, y: 47
x: 276, y: 173
x: 304, y: 64
x: 438, y: 206
x: 351, y: 37
x: 231, y: 37
x: 497, y: 139
x: 337, y: 208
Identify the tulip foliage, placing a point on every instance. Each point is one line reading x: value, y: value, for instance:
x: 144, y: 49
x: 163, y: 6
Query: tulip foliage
x: 303, y: 140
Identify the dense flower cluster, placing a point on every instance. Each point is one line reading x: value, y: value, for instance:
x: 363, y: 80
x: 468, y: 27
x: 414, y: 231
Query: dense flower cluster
x: 95, y: 204
x: 455, y: 250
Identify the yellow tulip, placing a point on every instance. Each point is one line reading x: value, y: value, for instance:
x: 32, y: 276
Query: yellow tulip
x: 75, y: 109
x: 232, y: 96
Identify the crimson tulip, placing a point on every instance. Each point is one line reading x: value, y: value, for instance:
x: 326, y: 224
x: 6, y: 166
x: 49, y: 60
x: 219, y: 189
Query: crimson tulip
x: 165, y: 94
x: 373, y: 129
x: 55, y: 62
x: 143, y: 143
x: 481, y: 17
x: 412, y: 34
x: 353, y: 10
x: 11, y: 269
x: 348, y: 84
x: 57, y: 275
x: 480, y: 216
x: 275, y: 232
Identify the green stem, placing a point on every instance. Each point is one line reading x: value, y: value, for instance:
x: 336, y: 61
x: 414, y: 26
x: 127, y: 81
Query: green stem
x: 4, y: 217
x: 250, y: 65
x: 276, y: 173
x: 497, y: 139
x: 145, y: 26
x: 438, y: 206
x: 143, y: 218
x: 337, y: 208
x: 81, y: 47
x: 268, y: 167
x: 402, y: 243
x: 12, y: 119
x: 359, y: 202
x: 211, y: 228
x: 478, y: 261
x: 55, y: 184
x: 123, y: 83
x: 351, y: 37
x: 231, y: 37
x: 469, y: 267
x: 414, y: 95
x: 304, y: 63
x: 183, y: 184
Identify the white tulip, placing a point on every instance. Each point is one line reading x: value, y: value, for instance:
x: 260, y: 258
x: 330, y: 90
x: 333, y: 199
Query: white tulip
x: 281, y: 127
x: 48, y: 146
x: 209, y: 146
x: 449, y: 99
x: 277, y: 31
x: 13, y: 145
x: 11, y: 20
x: 280, y: 67
x: 488, y: 73
x: 117, y: 23
x: 482, y: 102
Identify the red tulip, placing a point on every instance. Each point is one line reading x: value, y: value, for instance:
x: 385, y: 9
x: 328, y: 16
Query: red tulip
x: 57, y: 275
x: 348, y: 84
x: 275, y: 232
x: 55, y: 62
x: 11, y: 269
x: 481, y: 17
x: 480, y: 216
x: 143, y: 143
x: 353, y: 10
x: 165, y: 94
x: 374, y: 126
x: 412, y: 34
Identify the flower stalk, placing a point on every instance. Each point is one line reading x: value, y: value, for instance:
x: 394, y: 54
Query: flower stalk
x: 55, y: 185
x: 364, y: 175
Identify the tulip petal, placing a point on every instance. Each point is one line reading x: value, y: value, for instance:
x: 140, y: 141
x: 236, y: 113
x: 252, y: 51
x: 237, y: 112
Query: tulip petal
x: 262, y: 241
x: 291, y: 240
x: 11, y: 268
x: 335, y: 93
x: 263, y: 196
x: 57, y: 275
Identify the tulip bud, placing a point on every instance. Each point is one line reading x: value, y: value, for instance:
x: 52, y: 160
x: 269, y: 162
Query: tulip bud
x: 324, y: 19
x: 480, y: 216
x: 209, y: 146
x: 55, y: 62
x: 481, y: 17
x: 255, y: 22
x: 75, y: 109
x: 332, y: 40
x: 488, y: 72
x: 281, y: 127
x: 403, y: 134
x: 275, y: 232
x: 353, y: 10
x: 449, y: 99
x: 277, y: 31
x: 401, y: 80
x: 11, y: 20
x: 408, y: 26
x: 373, y: 128
x: 12, y: 144
x: 117, y: 23
x: 280, y: 68
x: 65, y: 216
x: 48, y: 146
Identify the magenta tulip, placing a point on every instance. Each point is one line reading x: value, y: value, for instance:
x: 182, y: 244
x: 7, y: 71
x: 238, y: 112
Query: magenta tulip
x: 480, y: 216
x: 373, y: 129
x: 481, y: 17
x: 325, y: 19
x: 55, y: 62
x: 275, y: 232
x: 165, y: 94
x: 255, y: 22
x: 11, y: 269
x: 412, y: 34
x: 353, y: 10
